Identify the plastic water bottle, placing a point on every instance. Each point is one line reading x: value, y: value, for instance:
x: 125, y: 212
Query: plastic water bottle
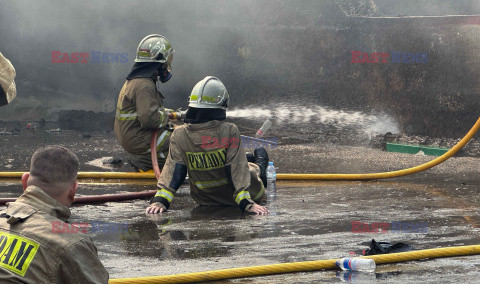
x: 357, y: 264
x: 266, y: 125
x: 272, y: 188
x: 271, y: 179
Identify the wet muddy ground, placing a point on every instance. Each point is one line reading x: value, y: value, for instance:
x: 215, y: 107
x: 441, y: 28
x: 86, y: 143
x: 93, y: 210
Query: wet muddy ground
x: 308, y: 220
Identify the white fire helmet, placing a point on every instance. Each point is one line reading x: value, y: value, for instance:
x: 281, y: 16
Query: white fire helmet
x: 155, y: 48
x: 7, y: 84
x: 209, y: 93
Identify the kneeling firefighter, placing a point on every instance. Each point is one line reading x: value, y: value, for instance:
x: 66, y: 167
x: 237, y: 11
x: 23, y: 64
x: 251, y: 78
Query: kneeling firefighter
x: 140, y: 105
x: 210, y: 151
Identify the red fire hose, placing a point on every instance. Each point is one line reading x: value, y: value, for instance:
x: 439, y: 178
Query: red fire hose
x: 117, y: 196
x: 153, y: 150
x: 101, y: 198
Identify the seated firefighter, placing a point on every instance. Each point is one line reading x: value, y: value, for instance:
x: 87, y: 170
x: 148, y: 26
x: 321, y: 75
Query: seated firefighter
x: 209, y: 149
x: 140, y: 105
x: 31, y: 251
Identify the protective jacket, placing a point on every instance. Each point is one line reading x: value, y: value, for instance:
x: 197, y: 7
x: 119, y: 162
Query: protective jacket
x: 139, y: 111
x: 30, y: 252
x: 217, y: 167
x: 8, y: 89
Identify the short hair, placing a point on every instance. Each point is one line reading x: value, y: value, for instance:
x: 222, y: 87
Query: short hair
x: 54, y: 164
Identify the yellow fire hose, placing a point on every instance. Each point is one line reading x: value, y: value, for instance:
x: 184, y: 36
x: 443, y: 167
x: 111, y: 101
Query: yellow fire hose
x: 391, y: 174
x: 409, y: 171
x: 299, y: 266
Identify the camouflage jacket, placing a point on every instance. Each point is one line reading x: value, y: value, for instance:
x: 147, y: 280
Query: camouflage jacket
x: 30, y: 252
x: 139, y: 111
x: 217, y: 167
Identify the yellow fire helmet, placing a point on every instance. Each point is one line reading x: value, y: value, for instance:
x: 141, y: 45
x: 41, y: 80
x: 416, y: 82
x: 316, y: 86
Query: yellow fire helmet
x: 209, y: 93
x: 8, y: 89
x: 155, y: 48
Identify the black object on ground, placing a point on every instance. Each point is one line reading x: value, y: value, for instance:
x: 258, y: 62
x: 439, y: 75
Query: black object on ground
x: 386, y: 247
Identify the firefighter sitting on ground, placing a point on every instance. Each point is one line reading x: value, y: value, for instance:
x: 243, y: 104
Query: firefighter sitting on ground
x: 209, y: 149
x: 32, y: 252
x: 140, y: 105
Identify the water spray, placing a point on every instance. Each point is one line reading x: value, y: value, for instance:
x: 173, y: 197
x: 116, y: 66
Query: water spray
x: 284, y: 114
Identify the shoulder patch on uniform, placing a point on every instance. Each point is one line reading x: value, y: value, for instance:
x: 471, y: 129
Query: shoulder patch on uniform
x: 16, y: 253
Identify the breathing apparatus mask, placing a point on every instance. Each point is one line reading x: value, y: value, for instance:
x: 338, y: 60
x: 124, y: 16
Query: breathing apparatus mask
x: 164, y: 71
x: 164, y: 74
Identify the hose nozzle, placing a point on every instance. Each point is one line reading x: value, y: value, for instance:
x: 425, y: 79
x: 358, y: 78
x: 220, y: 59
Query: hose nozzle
x: 175, y: 115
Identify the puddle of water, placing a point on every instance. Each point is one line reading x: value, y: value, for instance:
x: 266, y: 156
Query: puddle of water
x: 312, y: 221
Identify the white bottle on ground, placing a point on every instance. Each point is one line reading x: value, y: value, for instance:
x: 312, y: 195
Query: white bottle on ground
x: 266, y: 125
x: 357, y: 264
x: 271, y: 179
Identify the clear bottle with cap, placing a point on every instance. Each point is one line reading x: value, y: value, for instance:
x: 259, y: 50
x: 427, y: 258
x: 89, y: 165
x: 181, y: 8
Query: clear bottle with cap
x: 271, y: 189
x: 271, y: 179
x: 357, y: 264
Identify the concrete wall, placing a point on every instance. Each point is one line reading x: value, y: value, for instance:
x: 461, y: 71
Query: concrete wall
x: 296, y: 52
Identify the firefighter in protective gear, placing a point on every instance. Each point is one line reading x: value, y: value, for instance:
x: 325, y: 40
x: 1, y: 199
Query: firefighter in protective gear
x: 140, y: 105
x: 8, y: 89
x: 210, y: 151
x: 37, y: 244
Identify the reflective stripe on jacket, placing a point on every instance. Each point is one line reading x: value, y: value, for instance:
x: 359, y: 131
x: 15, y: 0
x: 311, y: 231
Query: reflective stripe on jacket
x: 218, y: 170
x: 139, y: 111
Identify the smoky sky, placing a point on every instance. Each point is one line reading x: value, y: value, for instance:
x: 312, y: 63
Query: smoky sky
x: 207, y: 37
x: 252, y: 46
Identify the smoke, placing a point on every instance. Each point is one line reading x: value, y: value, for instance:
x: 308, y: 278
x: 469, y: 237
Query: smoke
x: 210, y: 38
x: 268, y: 51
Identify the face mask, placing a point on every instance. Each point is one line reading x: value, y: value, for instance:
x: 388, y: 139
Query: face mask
x: 164, y: 74
x: 165, y: 77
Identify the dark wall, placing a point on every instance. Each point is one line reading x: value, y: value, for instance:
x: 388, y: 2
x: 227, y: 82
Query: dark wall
x: 296, y: 52
x: 440, y: 97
